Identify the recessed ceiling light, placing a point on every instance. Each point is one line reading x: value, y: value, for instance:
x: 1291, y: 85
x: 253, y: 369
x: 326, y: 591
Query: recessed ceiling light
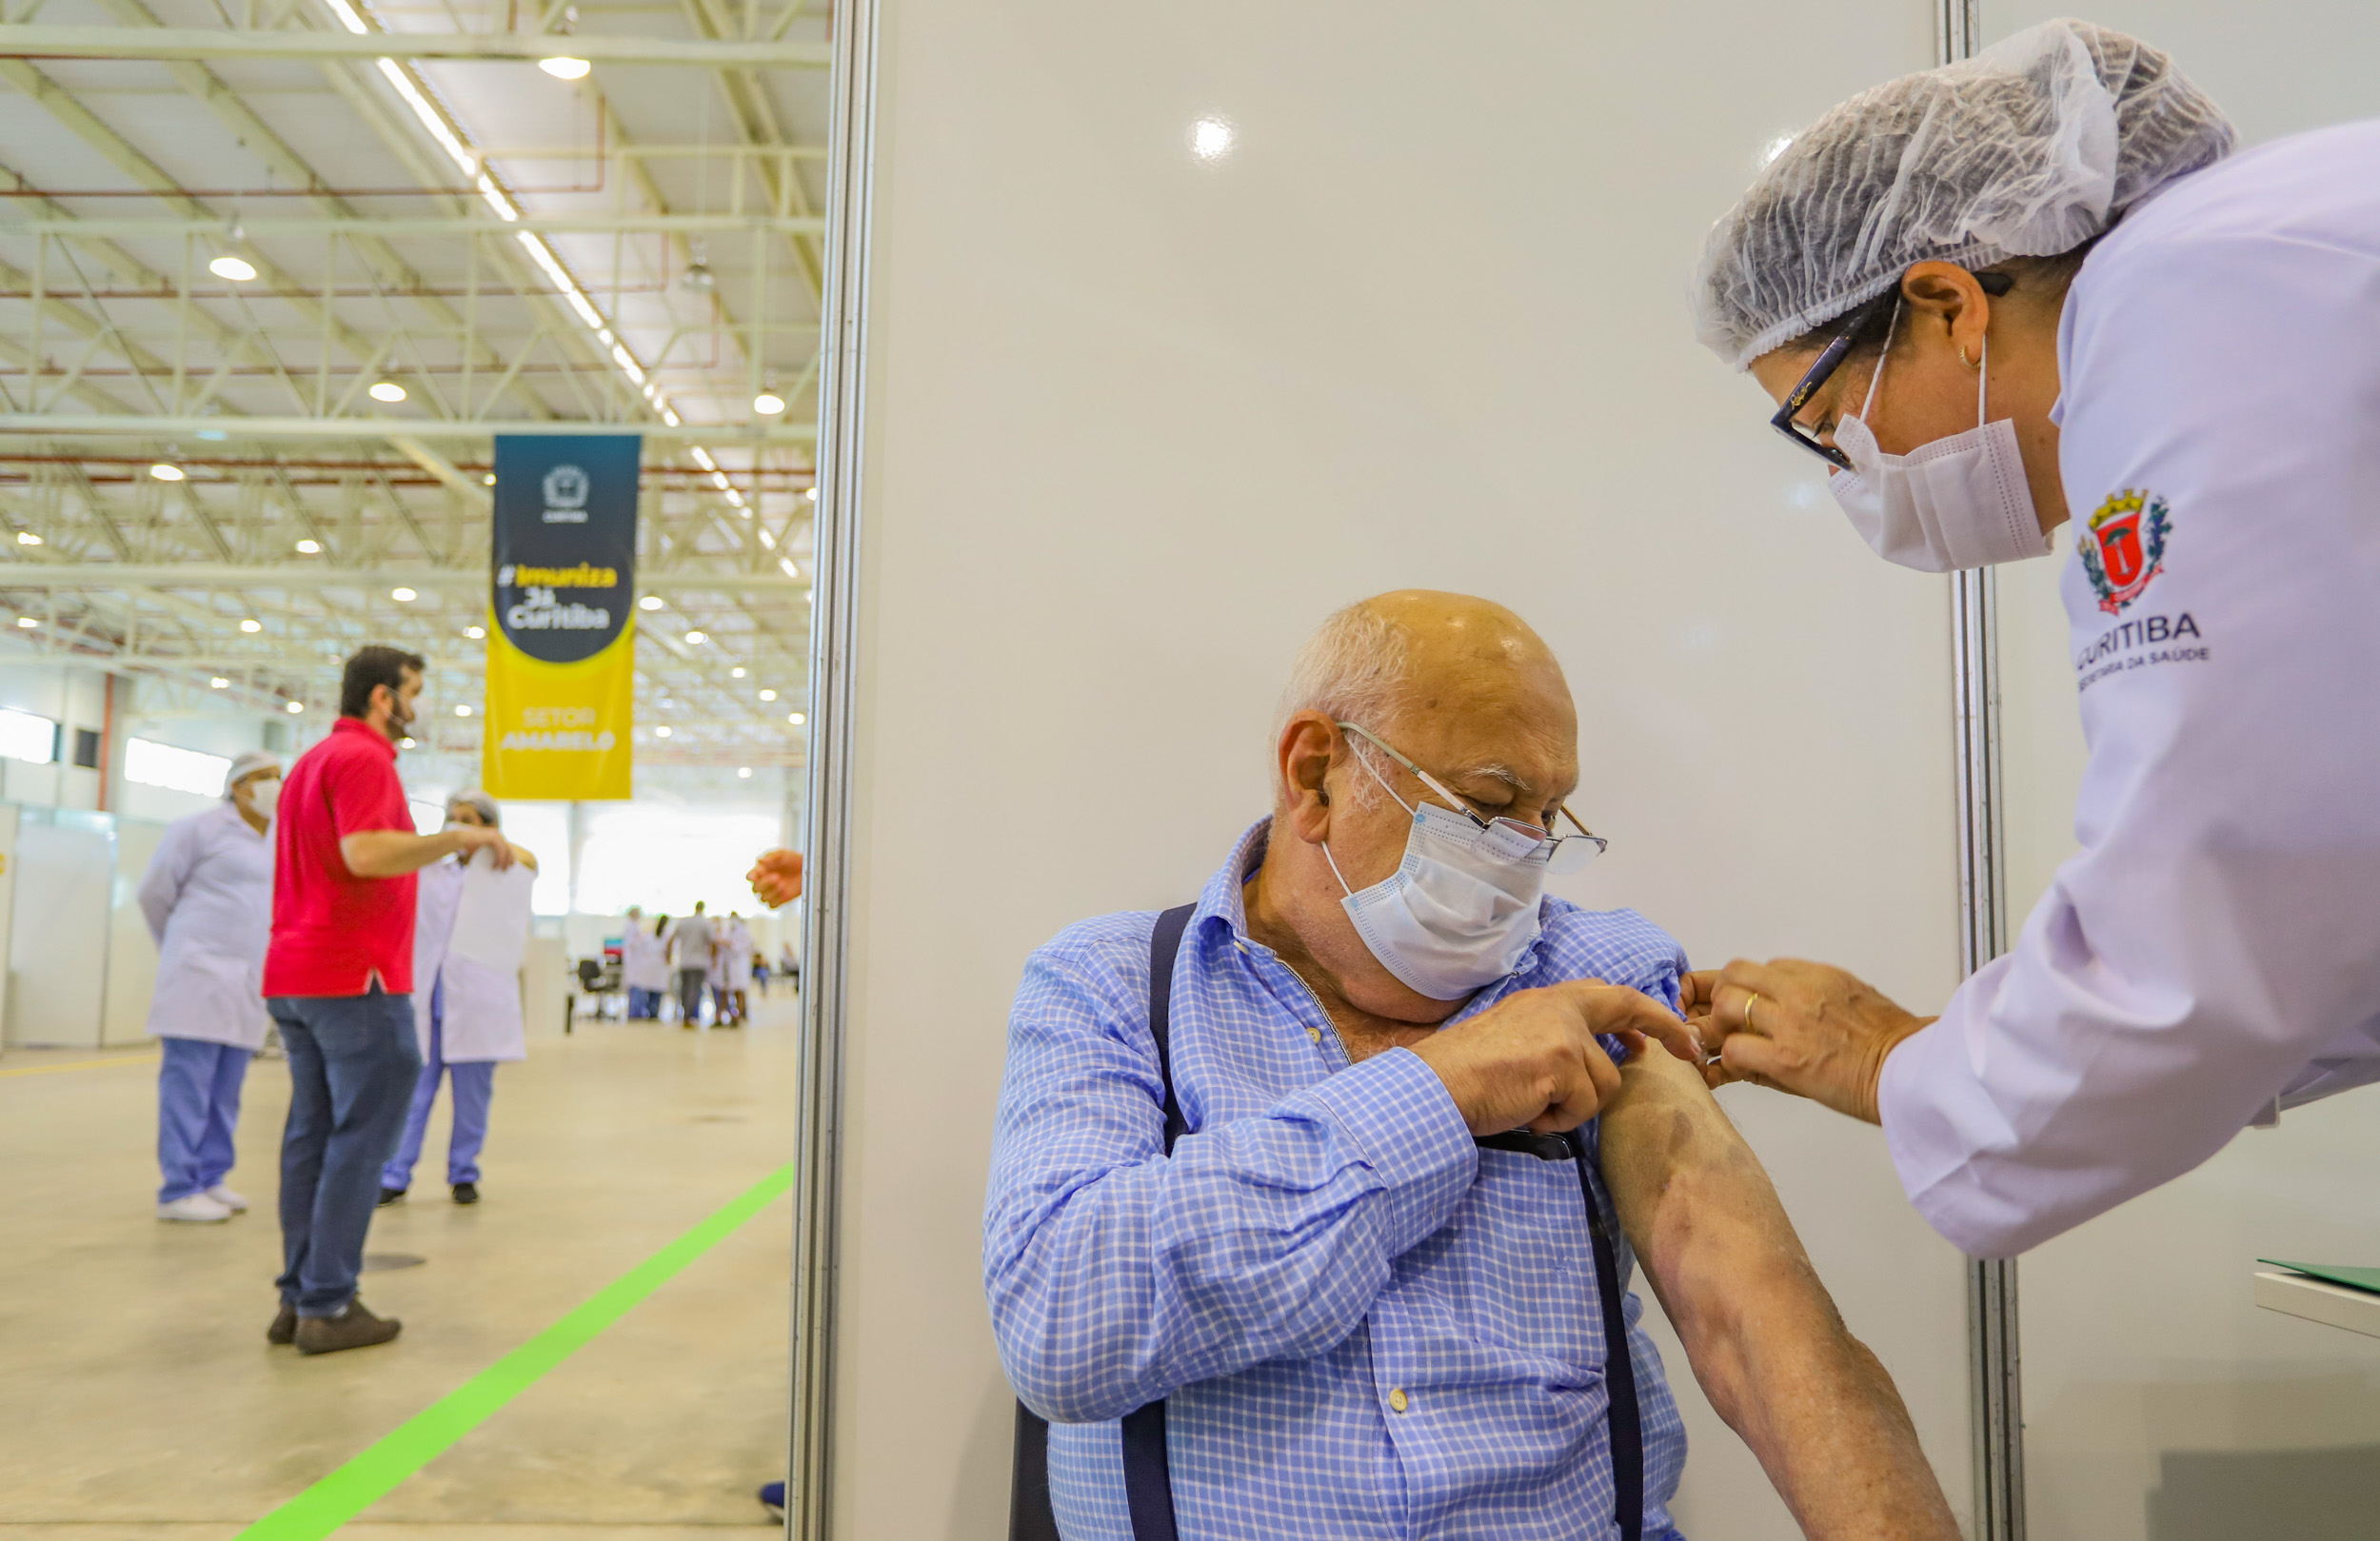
x: 297, y: 706
x: 796, y: 719
x: 1210, y: 139
x: 769, y: 403
x: 403, y: 595
x: 238, y: 270
x: 27, y: 538
x: 461, y: 710
x: 387, y: 390
x: 743, y: 773
x: 166, y: 471
x: 736, y: 673
x: 650, y: 601
x: 219, y: 683
x: 310, y: 548
x: 565, y: 68
x: 475, y: 633
x: 661, y: 733
x: 768, y: 695
x: 252, y: 623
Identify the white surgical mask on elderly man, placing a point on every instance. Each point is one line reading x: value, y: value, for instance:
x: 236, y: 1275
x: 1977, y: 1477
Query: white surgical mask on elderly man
x: 1461, y: 909
x: 1960, y: 502
x: 265, y: 796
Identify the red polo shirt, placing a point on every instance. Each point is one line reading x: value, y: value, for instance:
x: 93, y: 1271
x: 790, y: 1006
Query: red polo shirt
x: 332, y: 930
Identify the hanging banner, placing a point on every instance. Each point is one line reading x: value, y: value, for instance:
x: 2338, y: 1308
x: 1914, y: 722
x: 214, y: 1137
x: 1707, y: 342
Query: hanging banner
x: 561, y: 638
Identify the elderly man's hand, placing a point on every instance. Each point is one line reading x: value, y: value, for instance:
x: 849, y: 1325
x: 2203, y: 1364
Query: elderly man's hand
x: 1802, y: 1027
x: 1533, y: 1060
x: 777, y: 877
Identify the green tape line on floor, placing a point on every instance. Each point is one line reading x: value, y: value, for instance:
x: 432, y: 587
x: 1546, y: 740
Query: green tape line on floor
x: 322, y: 1508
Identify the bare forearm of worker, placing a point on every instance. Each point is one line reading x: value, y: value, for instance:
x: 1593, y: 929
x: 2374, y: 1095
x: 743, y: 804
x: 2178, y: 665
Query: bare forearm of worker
x: 392, y: 853
x: 1761, y: 1332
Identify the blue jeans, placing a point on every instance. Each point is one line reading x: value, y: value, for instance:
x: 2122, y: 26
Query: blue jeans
x: 642, y: 1004
x: 198, y: 1106
x: 352, y: 1065
x: 474, y: 1084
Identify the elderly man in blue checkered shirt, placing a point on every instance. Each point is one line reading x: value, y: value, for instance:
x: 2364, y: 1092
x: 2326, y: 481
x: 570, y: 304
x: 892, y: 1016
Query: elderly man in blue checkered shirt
x: 1362, y: 1293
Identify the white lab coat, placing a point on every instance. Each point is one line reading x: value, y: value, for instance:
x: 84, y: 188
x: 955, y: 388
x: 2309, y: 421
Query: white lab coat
x: 2215, y: 944
x: 731, y: 956
x: 643, y: 958
x: 480, y: 1015
x: 208, y: 898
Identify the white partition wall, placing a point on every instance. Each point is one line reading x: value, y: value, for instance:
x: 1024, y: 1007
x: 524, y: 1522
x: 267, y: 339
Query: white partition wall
x: 1137, y: 419
x: 2160, y: 1404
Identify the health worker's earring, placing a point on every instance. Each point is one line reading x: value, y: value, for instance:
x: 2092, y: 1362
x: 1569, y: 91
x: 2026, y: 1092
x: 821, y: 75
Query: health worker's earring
x: 1965, y: 360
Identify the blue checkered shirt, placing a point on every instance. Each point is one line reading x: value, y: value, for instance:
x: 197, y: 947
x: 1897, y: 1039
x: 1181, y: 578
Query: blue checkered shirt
x: 1326, y: 1237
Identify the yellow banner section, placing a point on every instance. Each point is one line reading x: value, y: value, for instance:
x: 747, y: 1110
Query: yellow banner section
x: 559, y: 732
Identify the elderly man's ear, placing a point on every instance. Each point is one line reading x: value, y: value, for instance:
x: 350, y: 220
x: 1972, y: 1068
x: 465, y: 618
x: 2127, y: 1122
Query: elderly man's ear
x: 1308, y: 742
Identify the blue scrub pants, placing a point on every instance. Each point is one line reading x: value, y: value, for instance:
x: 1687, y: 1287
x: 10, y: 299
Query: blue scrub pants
x: 198, y: 1107
x: 352, y: 1060
x: 474, y: 1084
x: 643, y: 1005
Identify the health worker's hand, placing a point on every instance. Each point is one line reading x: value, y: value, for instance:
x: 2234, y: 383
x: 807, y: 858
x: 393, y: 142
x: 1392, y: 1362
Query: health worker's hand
x: 1806, y: 1028
x: 1532, y: 1060
x: 472, y: 840
x: 776, y: 878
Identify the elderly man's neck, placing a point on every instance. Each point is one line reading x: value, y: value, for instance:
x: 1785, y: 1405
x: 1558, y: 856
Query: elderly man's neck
x: 1277, y: 925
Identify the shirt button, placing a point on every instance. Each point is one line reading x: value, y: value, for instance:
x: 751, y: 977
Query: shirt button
x: 1315, y: 1033
x: 1398, y: 1401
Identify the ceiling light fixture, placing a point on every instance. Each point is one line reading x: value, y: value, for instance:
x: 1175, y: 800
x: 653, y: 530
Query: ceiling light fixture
x: 251, y: 625
x: 404, y: 742
x: 166, y: 471
x: 387, y: 390
x: 461, y: 710
x: 661, y: 733
x: 310, y: 548
x: 811, y: 494
x: 219, y: 683
x: 696, y: 638
x: 769, y: 403
x: 489, y: 480
x: 743, y: 773
x: 1211, y: 139
x: 26, y: 621
x: 784, y: 564
x: 403, y: 595
x: 736, y: 673
x: 297, y: 706
x: 796, y: 719
x: 475, y: 633
x: 27, y: 538
x: 768, y: 695
x: 238, y: 270
x: 565, y: 68
x: 650, y: 601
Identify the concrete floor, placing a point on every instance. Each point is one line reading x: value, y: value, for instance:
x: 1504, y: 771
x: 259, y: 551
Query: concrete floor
x: 140, y: 1402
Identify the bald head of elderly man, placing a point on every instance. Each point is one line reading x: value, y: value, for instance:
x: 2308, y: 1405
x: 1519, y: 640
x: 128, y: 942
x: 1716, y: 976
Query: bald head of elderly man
x: 1315, y: 1233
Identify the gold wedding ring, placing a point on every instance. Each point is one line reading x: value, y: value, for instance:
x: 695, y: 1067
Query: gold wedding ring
x: 1748, y: 1004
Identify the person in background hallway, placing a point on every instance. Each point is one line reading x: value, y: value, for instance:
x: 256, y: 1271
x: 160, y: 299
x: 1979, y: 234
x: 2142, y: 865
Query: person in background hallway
x: 643, y: 965
x: 207, y: 897
x: 731, y: 969
x: 467, y: 1022
x: 338, y: 975
x: 690, y: 939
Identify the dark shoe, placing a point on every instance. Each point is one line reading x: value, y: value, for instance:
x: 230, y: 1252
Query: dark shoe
x: 284, y: 1329
x: 773, y: 1499
x: 353, y: 1327
x: 467, y: 1193
x: 388, y: 1196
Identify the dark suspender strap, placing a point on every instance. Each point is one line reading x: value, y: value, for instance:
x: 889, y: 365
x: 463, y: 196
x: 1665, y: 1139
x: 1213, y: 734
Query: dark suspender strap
x: 1148, y: 1472
x: 1620, y: 1367
x: 1148, y: 1475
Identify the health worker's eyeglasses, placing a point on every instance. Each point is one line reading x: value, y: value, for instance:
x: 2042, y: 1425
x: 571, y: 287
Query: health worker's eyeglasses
x: 1831, y: 359
x: 1561, y: 853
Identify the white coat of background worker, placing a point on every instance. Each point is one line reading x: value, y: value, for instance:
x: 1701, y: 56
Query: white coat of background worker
x: 208, y: 898
x: 643, y: 965
x: 2036, y: 286
x: 465, y: 1013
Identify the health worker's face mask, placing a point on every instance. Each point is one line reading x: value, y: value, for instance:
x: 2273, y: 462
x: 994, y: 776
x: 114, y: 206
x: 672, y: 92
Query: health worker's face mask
x: 1960, y: 502
x: 265, y: 796
x: 1460, y: 910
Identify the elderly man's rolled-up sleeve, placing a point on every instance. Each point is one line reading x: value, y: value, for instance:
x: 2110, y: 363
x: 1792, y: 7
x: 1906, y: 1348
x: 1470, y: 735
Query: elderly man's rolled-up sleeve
x: 1117, y: 1273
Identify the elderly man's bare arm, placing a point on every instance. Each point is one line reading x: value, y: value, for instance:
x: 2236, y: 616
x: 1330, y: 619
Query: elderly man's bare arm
x: 1763, y: 1335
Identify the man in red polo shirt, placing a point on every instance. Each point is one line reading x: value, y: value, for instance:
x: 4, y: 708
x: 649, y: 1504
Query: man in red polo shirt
x: 337, y: 979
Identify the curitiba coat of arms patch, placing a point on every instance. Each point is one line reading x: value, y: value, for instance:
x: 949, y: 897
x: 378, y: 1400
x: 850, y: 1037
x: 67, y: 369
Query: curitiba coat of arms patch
x: 2124, y: 547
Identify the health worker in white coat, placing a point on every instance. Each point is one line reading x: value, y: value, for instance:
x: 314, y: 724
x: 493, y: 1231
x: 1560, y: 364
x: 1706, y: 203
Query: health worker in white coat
x: 644, y: 966
x: 2033, y: 287
x: 208, y: 898
x: 465, y: 1013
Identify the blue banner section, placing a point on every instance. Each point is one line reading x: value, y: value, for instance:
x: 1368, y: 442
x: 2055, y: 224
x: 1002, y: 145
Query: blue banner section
x: 565, y: 565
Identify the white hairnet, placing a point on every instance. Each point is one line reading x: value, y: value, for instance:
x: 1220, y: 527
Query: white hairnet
x: 2029, y: 150
x: 480, y: 802
x: 246, y: 764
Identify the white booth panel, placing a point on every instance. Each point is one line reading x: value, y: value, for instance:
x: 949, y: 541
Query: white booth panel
x: 1138, y: 421
x: 131, y: 952
x: 58, y: 937
x: 2160, y: 1404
